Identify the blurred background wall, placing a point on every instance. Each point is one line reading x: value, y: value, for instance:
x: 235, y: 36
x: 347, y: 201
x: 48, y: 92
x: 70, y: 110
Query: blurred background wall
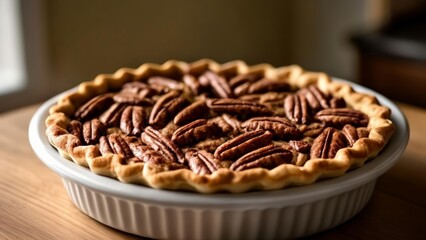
x: 70, y: 41
x: 88, y: 37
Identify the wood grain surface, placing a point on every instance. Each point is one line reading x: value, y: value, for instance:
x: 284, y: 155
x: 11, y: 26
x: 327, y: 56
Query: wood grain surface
x: 35, y: 205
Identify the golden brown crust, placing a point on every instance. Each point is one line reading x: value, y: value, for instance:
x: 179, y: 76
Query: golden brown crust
x: 381, y: 129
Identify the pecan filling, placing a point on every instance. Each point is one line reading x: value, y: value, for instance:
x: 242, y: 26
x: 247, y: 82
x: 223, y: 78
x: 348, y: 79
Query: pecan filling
x: 210, y: 121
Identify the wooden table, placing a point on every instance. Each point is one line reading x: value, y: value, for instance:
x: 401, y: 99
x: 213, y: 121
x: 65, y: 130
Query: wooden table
x: 34, y: 204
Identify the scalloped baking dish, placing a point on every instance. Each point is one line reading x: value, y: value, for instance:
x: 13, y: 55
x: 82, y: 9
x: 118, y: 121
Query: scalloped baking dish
x: 162, y: 214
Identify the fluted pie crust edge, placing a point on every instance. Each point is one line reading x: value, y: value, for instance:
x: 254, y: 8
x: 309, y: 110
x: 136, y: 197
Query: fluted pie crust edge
x: 224, y: 179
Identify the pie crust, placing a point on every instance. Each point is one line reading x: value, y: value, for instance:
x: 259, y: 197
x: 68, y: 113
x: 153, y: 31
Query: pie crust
x: 272, y: 153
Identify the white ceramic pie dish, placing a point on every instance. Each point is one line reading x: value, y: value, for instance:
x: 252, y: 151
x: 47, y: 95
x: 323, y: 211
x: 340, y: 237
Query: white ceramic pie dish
x: 161, y: 214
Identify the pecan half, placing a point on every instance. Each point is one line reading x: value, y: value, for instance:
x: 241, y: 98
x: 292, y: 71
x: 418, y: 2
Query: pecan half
x: 94, y: 107
x: 297, y: 108
x: 241, y: 90
x: 194, y: 131
x: 238, y: 107
x: 168, y: 130
x: 93, y: 130
x: 202, y: 162
x: 136, y: 146
x: 193, y: 84
x: 352, y: 133
x: 218, y: 84
x: 158, y: 142
x: 76, y: 128
x: 266, y: 85
x: 234, y: 123
x: 114, y: 143
x: 244, y: 143
x: 135, y: 86
x: 165, y: 82
x: 280, y: 127
x: 227, y: 124
x: 272, y: 97
x: 132, y: 120
x: 134, y: 99
x: 224, y: 126
x: 243, y: 78
x: 240, y: 84
x: 104, y: 146
x: 272, y: 100
x: 317, y: 100
x: 312, y: 130
x: 338, y: 117
x: 328, y: 143
x: 196, y: 110
x: 267, y: 157
x: 135, y: 93
x: 165, y: 108
x: 300, y: 146
x: 144, y: 153
x: 111, y: 117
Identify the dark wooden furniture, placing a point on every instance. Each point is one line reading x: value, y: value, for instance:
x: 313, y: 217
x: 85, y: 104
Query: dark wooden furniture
x: 392, y: 60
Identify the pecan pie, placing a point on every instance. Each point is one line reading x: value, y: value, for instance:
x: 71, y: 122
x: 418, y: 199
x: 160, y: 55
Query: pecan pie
x: 210, y: 127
